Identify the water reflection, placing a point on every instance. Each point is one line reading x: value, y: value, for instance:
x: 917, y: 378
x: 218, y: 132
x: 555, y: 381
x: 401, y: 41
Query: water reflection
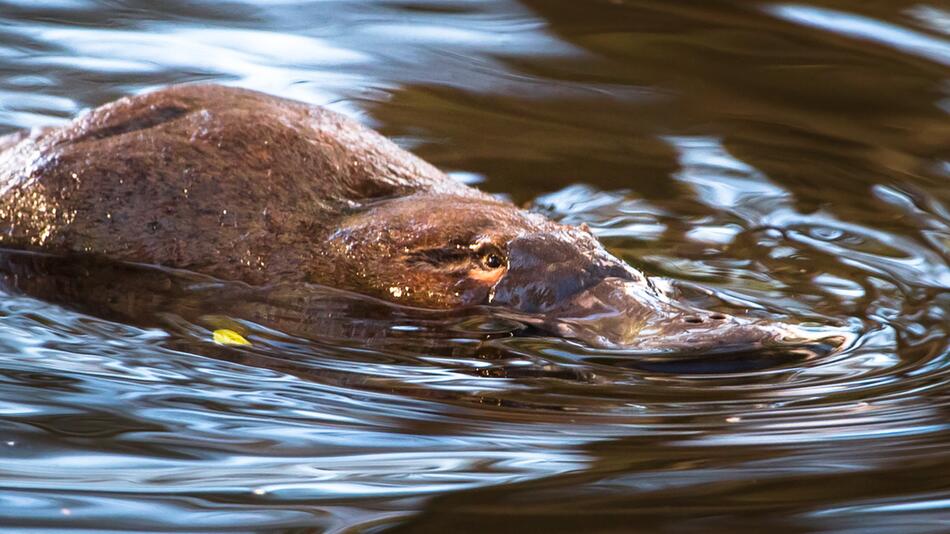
x: 210, y: 428
x: 790, y: 158
x: 856, y: 26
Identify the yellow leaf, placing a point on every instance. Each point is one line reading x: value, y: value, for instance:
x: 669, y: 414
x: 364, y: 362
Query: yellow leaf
x: 229, y: 337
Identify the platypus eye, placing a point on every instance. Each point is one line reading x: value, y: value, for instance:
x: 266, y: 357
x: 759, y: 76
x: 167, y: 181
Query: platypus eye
x: 493, y: 261
x: 491, y: 257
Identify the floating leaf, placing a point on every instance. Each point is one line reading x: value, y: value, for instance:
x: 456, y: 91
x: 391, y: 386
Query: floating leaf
x: 229, y: 337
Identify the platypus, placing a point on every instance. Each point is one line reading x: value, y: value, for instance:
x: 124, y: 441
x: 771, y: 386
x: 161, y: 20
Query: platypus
x: 241, y: 185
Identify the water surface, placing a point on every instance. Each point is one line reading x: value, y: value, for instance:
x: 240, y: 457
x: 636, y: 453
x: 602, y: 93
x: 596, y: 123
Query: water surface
x: 791, y: 157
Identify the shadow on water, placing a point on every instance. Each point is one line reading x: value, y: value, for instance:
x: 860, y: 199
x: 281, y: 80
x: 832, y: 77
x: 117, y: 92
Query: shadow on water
x: 789, y: 159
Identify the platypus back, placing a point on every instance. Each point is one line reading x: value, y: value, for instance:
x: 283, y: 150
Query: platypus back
x: 224, y: 181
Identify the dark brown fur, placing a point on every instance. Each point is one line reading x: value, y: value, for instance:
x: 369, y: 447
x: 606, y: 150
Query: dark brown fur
x: 229, y: 182
x: 243, y: 186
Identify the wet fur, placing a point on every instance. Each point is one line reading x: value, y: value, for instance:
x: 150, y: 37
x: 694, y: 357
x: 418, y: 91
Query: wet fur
x: 223, y: 181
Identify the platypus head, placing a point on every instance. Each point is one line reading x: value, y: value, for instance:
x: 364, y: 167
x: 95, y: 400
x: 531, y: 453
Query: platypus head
x: 442, y: 251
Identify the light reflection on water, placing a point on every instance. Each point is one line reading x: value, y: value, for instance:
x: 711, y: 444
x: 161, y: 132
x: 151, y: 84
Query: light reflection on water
x: 851, y: 25
x: 736, y: 146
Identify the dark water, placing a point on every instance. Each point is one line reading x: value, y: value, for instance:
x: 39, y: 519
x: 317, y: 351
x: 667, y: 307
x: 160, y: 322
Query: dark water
x: 794, y: 158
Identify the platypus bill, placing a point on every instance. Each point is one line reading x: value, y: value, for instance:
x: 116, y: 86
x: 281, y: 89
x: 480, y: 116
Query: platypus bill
x: 244, y: 186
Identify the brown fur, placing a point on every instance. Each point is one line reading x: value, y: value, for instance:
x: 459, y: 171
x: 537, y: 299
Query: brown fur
x: 245, y: 186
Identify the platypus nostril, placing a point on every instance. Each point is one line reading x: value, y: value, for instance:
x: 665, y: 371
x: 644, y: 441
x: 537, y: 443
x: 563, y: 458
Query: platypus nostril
x: 692, y: 319
x: 717, y: 317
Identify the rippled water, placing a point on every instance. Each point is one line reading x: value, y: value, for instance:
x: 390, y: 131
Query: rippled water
x: 792, y: 157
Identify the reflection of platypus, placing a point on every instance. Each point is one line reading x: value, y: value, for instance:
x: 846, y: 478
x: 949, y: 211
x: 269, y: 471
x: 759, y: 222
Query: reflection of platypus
x: 244, y: 186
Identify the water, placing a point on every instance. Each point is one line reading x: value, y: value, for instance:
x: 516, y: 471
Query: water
x: 792, y: 157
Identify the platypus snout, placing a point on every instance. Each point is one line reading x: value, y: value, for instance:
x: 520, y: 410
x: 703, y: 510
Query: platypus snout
x: 621, y: 313
x: 587, y: 294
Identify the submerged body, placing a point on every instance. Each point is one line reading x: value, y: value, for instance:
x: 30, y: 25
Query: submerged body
x: 244, y: 186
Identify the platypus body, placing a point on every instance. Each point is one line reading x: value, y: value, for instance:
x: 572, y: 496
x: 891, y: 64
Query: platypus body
x: 244, y: 186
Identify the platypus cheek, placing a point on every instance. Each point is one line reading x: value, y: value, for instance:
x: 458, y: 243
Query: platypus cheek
x: 486, y: 277
x: 472, y: 292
